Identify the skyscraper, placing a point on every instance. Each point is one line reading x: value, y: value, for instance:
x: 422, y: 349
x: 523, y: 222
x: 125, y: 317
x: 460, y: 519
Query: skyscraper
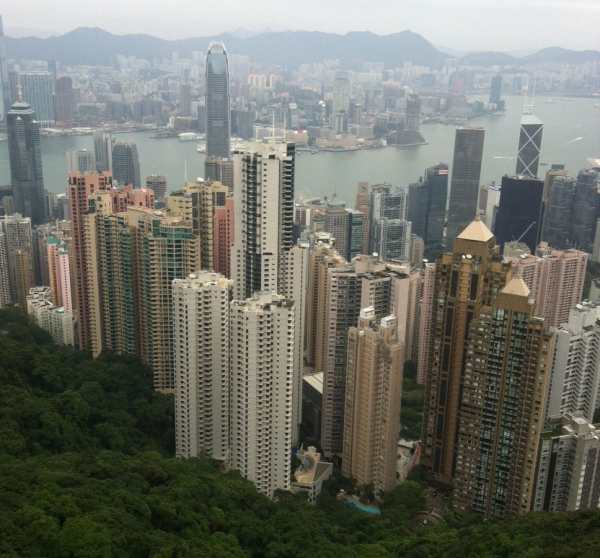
x: 165, y: 249
x: 530, y: 146
x: 575, y: 377
x: 586, y: 208
x: 425, y: 333
x: 555, y: 279
x: 218, y: 114
x: 38, y: 90
x: 466, y: 172
x: 372, y: 407
x: 202, y: 370
x: 496, y: 90
x: 502, y: 409
x: 262, y: 361
x: 17, y: 235
x: 81, y: 160
x: 158, y: 184
x: 5, y: 296
x: 126, y: 164
x: 427, y: 208
x: 466, y: 279
x: 568, y: 476
x: 521, y: 211
x: 223, y: 235
x: 264, y: 210
x: 390, y: 233
x: 4, y: 87
x: 82, y: 189
x: 64, y: 101
x: 559, y: 194
x: 103, y: 145
x: 25, y: 160
x: 59, y: 272
x: 337, y: 292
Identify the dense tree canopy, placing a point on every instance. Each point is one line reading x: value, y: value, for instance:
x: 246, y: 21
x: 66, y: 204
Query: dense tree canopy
x: 86, y: 472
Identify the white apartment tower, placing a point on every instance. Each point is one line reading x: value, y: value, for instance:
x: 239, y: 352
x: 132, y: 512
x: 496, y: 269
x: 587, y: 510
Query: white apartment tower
x: 262, y: 373
x: 575, y: 376
x: 264, y: 216
x: 201, y: 342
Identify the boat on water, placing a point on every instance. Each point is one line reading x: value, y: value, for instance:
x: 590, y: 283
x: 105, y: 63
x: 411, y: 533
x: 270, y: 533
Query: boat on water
x: 188, y: 136
x: 201, y: 148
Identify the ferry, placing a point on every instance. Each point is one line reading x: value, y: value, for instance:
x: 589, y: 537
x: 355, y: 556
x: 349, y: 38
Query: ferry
x: 187, y: 136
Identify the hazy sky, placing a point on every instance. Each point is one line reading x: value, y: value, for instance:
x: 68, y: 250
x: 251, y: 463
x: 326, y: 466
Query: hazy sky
x: 460, y: 24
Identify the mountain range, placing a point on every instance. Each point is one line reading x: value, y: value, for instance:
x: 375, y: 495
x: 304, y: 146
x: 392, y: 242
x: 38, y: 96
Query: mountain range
x: 94, y: 46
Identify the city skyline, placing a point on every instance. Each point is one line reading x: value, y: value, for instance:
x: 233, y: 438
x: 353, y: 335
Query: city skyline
x: 442, y: 311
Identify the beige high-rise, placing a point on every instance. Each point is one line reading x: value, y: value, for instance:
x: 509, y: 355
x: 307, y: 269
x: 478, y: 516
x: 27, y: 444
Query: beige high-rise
x: 555, y: 279
x: 343, y: 289
x: 373, y: 395
x: 197, y: 203
x: 425, y: 333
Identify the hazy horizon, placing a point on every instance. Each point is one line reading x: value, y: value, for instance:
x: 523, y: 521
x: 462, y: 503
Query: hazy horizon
x: 463, y: 25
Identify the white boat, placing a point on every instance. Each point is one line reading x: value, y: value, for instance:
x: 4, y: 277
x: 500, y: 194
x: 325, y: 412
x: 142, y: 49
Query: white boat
x: 201, y: 148
x: 187, y: 136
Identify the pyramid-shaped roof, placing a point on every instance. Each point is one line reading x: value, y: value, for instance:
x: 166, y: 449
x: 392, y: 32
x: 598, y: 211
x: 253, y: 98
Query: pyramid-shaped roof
x: 516, y: 286
x: 477, y: 231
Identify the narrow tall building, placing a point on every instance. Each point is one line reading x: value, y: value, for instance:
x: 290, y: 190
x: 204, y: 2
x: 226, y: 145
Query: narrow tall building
x: 530, y: 146
x: 202, y: 370
x: 59, y: 272
x: 165, y: 249
x: 264, y: 217
x: 343, y: 289
x: 501, y: 416
x: 466, y: 279
x: 555, y: 279
x: 262, y: 362
x: 17, y: 234
x: 81, y: 191
x: 466, y: 173
x: 103, y: 151
x: 218, y: 112
x: 559, y: 194
x: 372, y: 406
x: 427, y: 208
x: 126, y: 164
x: 25, y: 160
x: 223, y: 237
x: 425, y: 333
x: 568, y: 477
x: 575, y: 379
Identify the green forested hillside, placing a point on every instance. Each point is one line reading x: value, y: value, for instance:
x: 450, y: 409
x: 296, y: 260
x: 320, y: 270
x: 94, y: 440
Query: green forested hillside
x: 85, y: 471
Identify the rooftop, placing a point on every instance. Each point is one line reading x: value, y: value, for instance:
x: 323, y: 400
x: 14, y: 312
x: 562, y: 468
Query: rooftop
x: 476, y: 231
x: 516, y: 286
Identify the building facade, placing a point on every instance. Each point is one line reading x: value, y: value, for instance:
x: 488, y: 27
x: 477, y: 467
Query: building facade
x: 25, y: 159
x: 466, y: 173
x: 262, y: 360
x: 202, y: 369
x: 218, y: 112
x: 372, y: 407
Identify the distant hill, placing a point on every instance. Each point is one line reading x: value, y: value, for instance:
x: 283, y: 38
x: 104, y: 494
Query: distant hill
x: 288, y: 48
x: 94, y: 46
x: 489, y: 59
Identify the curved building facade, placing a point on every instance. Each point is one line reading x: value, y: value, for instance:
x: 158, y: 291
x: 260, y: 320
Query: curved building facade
x: 218, y: 116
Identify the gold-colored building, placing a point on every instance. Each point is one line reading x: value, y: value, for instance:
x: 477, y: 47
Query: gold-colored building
x: 501, y: 417
x: 466, y: 280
